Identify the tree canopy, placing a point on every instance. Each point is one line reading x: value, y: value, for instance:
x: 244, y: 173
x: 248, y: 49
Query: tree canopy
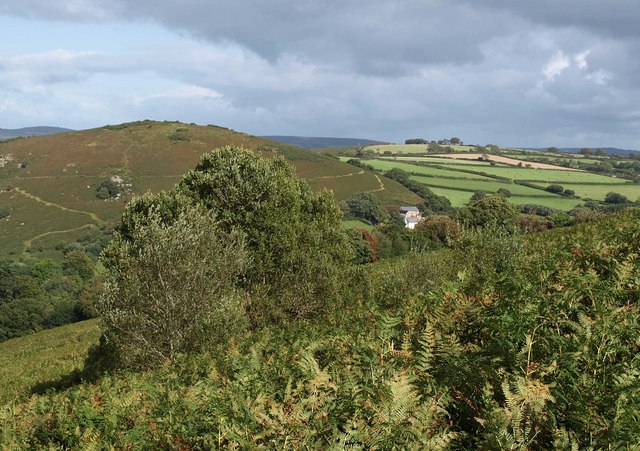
x: 237, y: 223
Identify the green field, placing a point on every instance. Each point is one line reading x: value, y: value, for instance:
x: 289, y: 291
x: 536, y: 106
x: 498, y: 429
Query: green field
x: 412, y: 148
x: 451, y: 179
x: 40, y: 360
x: 385, y: 165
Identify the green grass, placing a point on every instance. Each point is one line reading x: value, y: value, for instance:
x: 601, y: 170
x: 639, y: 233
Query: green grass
x: 598, y: 192
x: 385, y: 165
x: 355, y: 224
x: 489, y: 185
x: 551, y: 175
x: 41, y: 359
x: 412, y: 148
x: 444, y: 161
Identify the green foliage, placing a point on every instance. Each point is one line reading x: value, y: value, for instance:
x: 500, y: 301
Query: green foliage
x: 170, y: 288
x: 555, y: 188
x: 615, y: 198
x: 366, y: 206
x: 439, y: 230
x: 504, y: 342
x: 108, y: 189
x: 490, y: 210
x: 41, y: 294
x: 239, y: 232
x: 5, y: 211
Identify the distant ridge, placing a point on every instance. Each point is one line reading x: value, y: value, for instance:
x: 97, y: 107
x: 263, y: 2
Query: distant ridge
x: 608, y: 150
x: 7, y: 133
x: 309, y: 142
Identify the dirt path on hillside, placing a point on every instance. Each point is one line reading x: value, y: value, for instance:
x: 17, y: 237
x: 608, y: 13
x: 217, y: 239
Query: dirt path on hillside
x: 380, y: 182
x: 27, y: 243
x: 507, y: 160
x: 93, y: 216
x: 350, y: 174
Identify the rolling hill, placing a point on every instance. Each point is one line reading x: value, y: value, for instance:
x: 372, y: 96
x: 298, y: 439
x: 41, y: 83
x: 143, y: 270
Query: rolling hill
x: 49, y: 184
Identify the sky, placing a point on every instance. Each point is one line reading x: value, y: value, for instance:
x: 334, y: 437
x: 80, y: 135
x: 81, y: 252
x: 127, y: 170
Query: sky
x: 535, y: 73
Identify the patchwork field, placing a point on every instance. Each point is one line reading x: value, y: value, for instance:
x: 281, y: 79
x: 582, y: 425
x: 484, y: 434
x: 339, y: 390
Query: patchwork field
x: 457, y: 176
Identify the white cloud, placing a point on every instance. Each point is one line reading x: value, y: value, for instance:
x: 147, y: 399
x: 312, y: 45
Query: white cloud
x: 556, y: 66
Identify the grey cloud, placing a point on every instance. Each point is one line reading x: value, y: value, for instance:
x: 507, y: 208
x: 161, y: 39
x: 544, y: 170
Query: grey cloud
x: 619, y: 18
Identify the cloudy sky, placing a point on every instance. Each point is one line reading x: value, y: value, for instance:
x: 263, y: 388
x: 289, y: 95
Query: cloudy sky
x: 531, y: 73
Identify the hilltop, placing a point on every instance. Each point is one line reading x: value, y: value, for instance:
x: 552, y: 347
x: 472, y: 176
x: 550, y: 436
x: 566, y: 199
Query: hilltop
x: 58, y: 187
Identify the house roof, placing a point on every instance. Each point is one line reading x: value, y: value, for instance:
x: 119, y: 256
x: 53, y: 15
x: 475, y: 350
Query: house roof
x: 413, y: 219
x: 410, y: 208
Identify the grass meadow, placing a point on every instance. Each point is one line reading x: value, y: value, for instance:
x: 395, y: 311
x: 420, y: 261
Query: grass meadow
x: 38, y: 361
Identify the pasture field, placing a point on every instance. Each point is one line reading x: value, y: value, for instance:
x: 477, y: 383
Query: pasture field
x: 598, y: 192
x: 489, y: 185
x: 38, y: 361
x: 443, y: 160
x: 410, y: 148
x: 453, y: 182
x: 551, y: 175
x: 385, y: 165
x: 458, y: 198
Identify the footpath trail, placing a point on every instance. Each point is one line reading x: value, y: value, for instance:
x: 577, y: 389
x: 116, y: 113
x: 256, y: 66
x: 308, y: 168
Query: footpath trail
x: 380, y: 182
x: 27, y: 243
x: 92, y: 215
x: 350, y: 174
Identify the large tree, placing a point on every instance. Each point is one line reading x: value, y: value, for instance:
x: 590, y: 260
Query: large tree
x: 284, y: 244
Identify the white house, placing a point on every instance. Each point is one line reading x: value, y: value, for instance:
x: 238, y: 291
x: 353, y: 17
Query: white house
x: 411, y: 216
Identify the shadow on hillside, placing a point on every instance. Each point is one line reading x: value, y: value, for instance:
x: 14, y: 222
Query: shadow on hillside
x: 62, y: 383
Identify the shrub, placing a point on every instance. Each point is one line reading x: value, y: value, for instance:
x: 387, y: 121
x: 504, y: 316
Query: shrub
x: 5, y: 211
x: 171, y: 288
x: 440, y: 230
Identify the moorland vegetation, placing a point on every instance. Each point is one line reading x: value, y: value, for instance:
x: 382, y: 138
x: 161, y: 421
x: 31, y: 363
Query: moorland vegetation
x: 218, y: 334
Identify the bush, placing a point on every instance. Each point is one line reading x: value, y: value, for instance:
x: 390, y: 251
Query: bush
x: 440, y: 230
x: 171, y: 288
x: 556, y: 189
x: 5, y: 211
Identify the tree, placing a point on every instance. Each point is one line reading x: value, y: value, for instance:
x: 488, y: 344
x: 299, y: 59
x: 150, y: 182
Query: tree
x: 235, y: 222
x: 553, y: 149
x: 615, y: 198
x: 455, y: 141
x: 490, y: 210
x: 366, y: 206
x: 171, y: 287
x: 440, y: 230
x: 586, y: 151
x: 555, y: 188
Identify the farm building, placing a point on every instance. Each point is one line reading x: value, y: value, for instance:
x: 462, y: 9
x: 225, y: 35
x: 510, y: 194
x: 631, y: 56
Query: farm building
x: 411, y: 216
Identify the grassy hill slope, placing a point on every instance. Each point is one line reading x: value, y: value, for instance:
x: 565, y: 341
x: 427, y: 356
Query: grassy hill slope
x: 533, y: 344
x: 50, y: 183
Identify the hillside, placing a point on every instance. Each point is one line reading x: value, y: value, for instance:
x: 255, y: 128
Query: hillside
x: 502, y: 342
x: 49, y: 185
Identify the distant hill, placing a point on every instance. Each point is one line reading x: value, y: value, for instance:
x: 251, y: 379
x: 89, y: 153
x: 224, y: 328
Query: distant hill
x: 7, y: 133
x: 55, y: 186
x: 309, y: 142
x: 608, y: 150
